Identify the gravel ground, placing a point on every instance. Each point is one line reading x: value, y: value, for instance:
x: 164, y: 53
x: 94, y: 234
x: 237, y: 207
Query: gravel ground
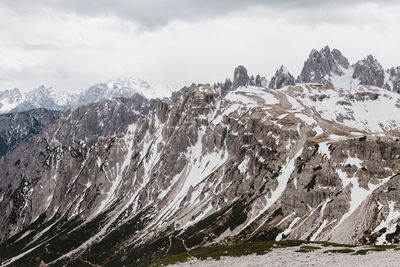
x: 288, y: 257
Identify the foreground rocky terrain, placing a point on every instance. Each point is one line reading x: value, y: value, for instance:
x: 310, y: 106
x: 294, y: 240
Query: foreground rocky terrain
x: 295, y: 256
x: 130, y: 180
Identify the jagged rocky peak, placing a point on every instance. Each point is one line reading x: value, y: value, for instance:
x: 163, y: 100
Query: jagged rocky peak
x: 340, y: 59
x: 321, y: 65
x: 261, y: 81
x: 240, y: 77
x: 369, y: 72
x: 392, y: 79
x: 281, y: 78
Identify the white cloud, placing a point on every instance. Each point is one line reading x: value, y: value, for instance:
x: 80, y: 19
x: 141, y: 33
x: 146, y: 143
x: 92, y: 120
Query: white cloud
x: 72, y: 51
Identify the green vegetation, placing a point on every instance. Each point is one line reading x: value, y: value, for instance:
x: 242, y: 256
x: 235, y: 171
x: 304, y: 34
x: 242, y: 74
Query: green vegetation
x: 343, y: 250
x: 305, y: 249
x: 237, y: 250
x: 261, y: 248
x: 376, y: 248
x: 215, y: 252
x: 329, y: 244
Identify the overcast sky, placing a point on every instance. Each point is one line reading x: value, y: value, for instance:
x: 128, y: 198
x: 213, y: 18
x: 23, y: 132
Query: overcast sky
x: 72, y: 44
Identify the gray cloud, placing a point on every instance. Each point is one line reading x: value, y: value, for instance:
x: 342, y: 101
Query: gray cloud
x: 154, y: 13
x: 72, y: 44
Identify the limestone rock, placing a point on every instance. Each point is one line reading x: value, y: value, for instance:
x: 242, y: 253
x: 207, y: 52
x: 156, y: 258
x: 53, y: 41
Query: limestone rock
x: 369, y: 72
x: 240, y: 77
x: 321, y: 65
x: 281, y: 78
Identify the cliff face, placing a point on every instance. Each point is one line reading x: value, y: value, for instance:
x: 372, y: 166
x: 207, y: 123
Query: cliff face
x: 17, y: 128
x: 304, y: 162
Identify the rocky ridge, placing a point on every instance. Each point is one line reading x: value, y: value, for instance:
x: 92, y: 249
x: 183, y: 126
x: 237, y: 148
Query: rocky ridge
x: 326, y: 66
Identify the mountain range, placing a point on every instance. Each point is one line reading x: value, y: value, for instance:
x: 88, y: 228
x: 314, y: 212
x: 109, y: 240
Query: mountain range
x: 325, y: 67
x: 42, y: 97
x: 132, y: 179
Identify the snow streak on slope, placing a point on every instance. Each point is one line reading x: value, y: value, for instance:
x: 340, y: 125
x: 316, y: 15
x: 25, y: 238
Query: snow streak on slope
x: 282, y: 179
x: 345, y: 81
x: 358, y: 193
x: 390, y: 223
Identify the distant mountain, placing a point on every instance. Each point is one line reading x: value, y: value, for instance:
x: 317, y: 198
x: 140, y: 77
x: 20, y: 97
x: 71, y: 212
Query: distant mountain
x: 119, y: 88
x: 326, y: 66
x: 42, y: 97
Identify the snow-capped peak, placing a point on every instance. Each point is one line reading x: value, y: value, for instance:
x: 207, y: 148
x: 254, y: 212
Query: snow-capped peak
x: 47, y: 97
x: 121, y: 87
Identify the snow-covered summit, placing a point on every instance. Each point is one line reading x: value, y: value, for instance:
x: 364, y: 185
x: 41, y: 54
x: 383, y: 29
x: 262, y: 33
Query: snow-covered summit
x: 42, y: 97
x: 46, y: 97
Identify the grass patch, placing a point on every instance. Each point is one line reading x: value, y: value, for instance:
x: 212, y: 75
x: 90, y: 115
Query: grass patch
x: 376, y: 248
x: 290, y: 243
x: 343, y: 250
x: 386, y: 246
x: 329, y: 244
x: 306, y: 249
x: 237, y: 250
x: 215, y: 252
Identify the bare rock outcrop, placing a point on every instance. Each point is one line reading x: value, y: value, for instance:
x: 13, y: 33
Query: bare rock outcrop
x: 369, y: 72
x: 281, y: 78
x: 392, y: 82
x: 322, y: 64
x: 240, y: 77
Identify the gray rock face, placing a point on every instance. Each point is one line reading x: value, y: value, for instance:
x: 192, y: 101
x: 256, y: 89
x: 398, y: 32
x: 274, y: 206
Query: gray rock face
x: 393, y: 81
x: 322, y: 64
x: 369, y: 72
x: 340, y: 59
x: 281, y: 78
x: 225, y: 87
x: 17, y: 128
x: 240, y: 77
x: 261, y: 81
x: 73, y: 134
